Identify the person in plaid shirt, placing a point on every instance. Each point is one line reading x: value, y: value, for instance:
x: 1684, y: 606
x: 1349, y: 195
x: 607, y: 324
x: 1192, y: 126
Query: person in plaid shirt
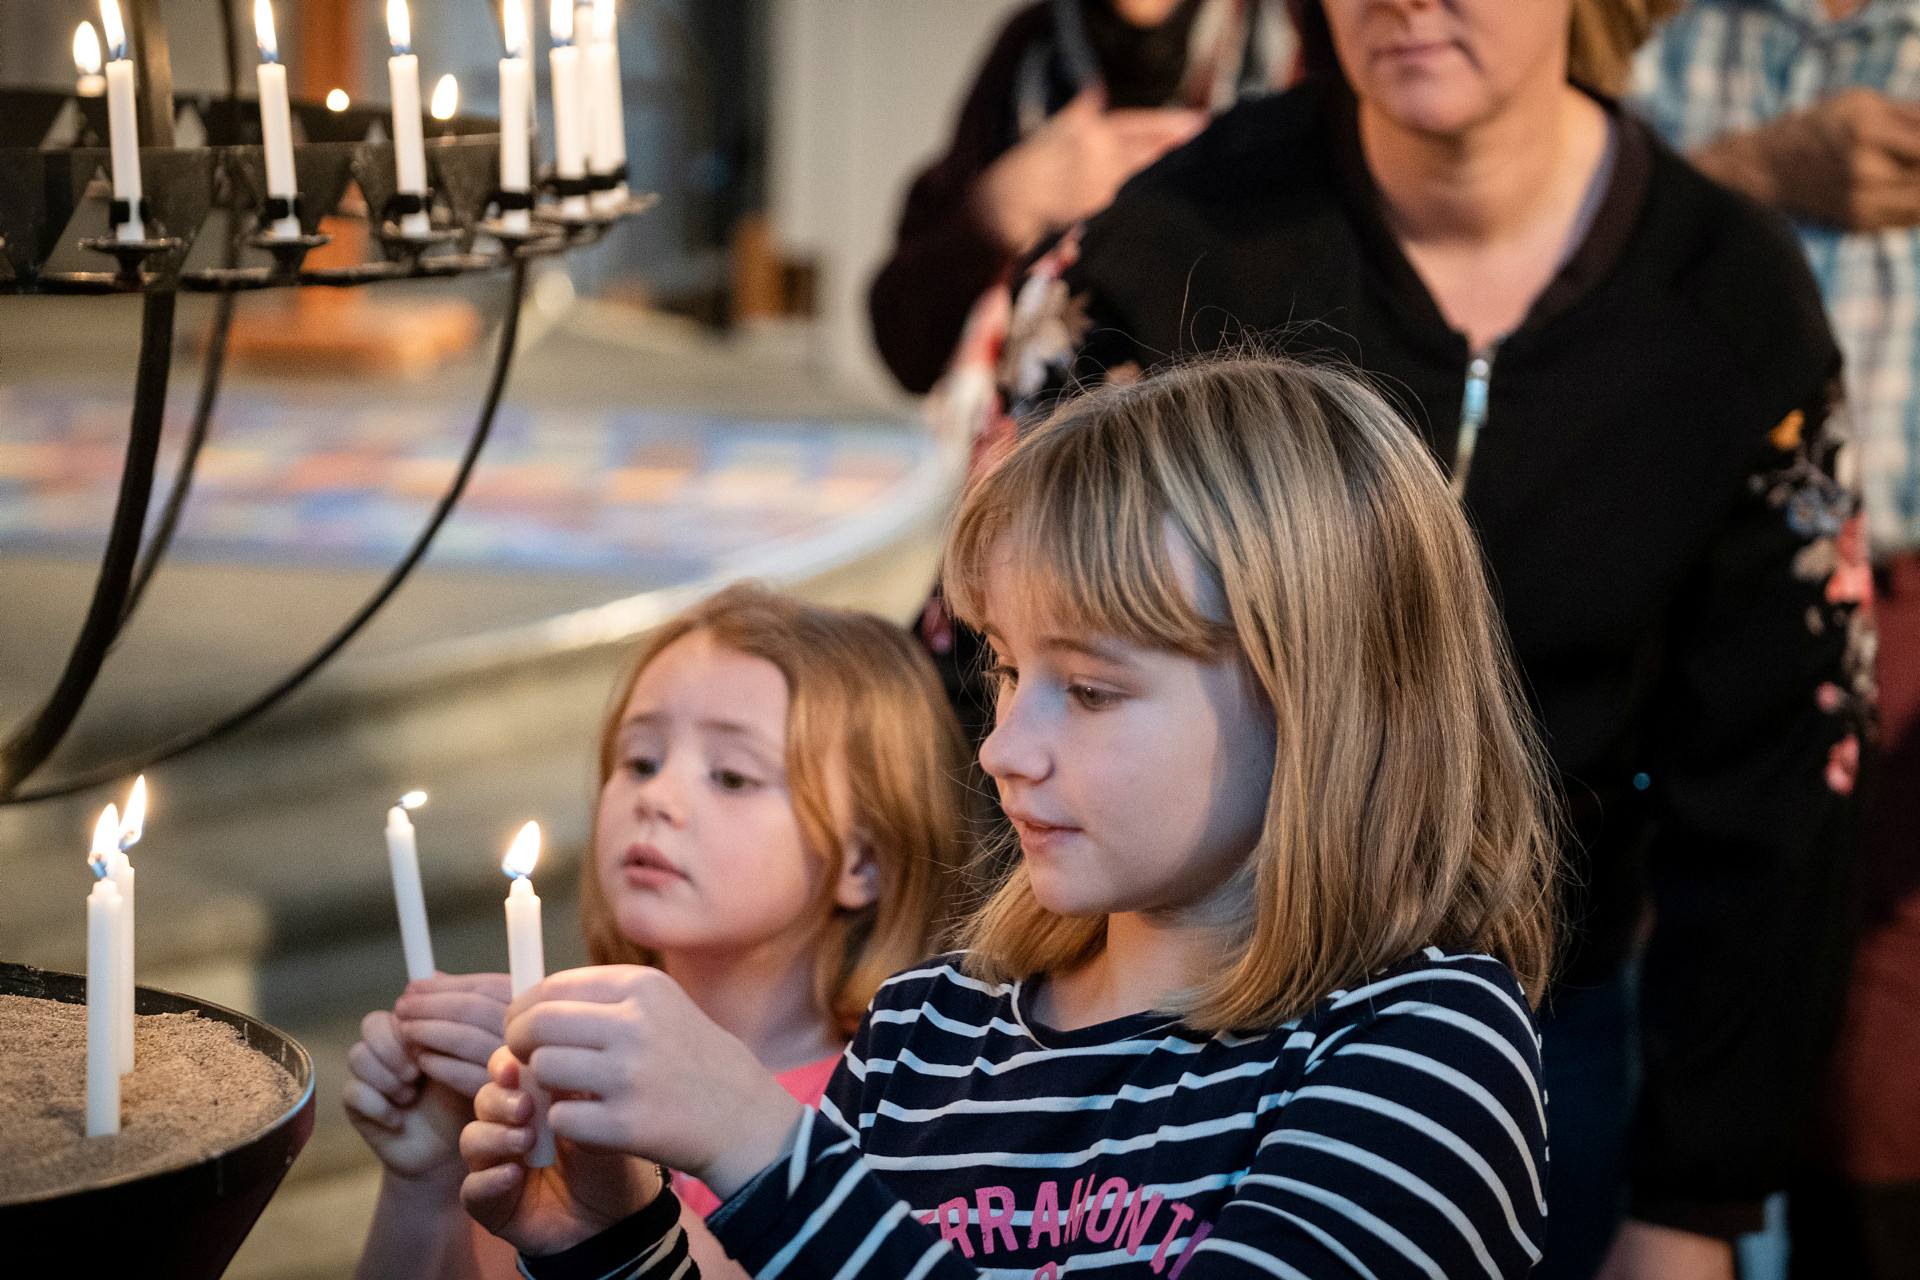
x: 1813, y: 107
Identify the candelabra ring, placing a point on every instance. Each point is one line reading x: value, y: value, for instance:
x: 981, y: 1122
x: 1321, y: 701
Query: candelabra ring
x: 288, y: 253
x: 585, y: 229
x: 130, y: 278
x: 518, y: 245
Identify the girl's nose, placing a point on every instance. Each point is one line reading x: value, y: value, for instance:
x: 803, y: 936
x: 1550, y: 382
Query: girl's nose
x: 1015, y: 749
x: 660, y: 799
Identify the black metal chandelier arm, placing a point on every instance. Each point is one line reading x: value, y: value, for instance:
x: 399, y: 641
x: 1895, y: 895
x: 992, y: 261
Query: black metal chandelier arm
x: 496, y: 386
x: 169, y: 523
x: 29, y: 745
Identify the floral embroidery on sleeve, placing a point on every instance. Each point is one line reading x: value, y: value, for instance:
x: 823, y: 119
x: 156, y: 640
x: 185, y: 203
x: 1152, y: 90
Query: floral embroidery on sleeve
x: 1815, y: 489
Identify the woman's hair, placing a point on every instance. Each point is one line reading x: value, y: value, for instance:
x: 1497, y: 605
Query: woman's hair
x: 1409, y: 804
x: 863, y: 697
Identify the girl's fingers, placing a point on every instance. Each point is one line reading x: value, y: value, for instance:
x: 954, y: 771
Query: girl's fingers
x: 382, y: 1038
x: 484, y: 1144
x: 583, y: 1070
x: 582, y: 1024
x: 471, y: 1008
x: 486, y: 984
x: 592, y: 1123
x: 368, y: 1103
x: 464, y: 1078
x: 368, y: 1068
x: 454, y: 1039
x: 496, y: 1105
x: 490, y: 1195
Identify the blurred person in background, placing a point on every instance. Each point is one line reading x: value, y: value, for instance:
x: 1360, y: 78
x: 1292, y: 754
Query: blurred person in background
x: 1813, y: 107
x: 1628, y: 371
x: 1075, y: 97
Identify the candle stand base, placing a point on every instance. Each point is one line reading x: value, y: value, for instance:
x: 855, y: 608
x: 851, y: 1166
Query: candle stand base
x: 130, y: 278
x: 183, y: 1223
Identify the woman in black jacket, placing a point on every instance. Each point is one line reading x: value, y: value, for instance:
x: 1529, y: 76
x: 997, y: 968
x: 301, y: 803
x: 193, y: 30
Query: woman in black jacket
x: 1629, y: 373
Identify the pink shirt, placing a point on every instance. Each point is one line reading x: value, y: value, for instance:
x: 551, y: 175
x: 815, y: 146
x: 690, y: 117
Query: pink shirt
x: 806, y: 1084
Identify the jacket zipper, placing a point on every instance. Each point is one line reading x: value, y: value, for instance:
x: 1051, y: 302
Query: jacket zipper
x: 1473, y: 414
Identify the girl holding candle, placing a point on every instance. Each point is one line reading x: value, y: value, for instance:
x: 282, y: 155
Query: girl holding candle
x: 1255, y: 1000
x: 778, y: 828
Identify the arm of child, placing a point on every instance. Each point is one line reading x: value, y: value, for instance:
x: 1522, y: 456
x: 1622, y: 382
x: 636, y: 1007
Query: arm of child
x: 1415, y: 1147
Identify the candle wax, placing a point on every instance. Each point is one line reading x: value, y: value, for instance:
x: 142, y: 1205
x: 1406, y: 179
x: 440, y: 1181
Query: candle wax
x: 103, y: 1009
x: 409, y: 147
x: 569, y: 122
x: 125, y: 137
x: 403, y: 859
x: 516, y: 164
x: 609, y: 124
x: 526, y: 967
x: 120, y: 871
x: 276, y: 129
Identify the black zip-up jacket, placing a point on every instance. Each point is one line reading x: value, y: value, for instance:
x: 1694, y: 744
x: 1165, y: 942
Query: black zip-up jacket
x: 1654, y: 488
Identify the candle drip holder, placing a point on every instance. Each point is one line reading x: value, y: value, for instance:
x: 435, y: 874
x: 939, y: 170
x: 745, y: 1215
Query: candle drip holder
x: 582, y: 230
x: 288, y: 253
x: 132, y: 277
x: 537, y: 241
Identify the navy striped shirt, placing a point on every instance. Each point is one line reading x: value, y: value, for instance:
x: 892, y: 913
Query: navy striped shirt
x: 1396, y: 1129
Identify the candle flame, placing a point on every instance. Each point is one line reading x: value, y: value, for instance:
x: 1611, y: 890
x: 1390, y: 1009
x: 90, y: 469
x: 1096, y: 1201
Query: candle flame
x: 412, y: 800
x: 559, y: 21
x: 134, y: 824
x: 86, y: 49
x: 399, y: 27
x: 113, y: 29
x: 263, y: 31
x: 603, y: 19
x: 514, y: 19
x: 106, y: 835
x: 523, y: 852
x: 446, y: 98
x: 337, y: 100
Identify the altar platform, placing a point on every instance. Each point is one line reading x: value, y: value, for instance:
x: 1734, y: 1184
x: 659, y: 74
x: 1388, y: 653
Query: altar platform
x: 637, y: 463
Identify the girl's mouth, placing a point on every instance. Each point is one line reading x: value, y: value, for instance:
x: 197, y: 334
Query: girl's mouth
x: 646, y: 867
x: 1037, y: 836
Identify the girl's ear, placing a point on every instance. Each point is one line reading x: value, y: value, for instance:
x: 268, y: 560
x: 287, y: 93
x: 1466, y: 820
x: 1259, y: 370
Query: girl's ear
x: 859, y: 883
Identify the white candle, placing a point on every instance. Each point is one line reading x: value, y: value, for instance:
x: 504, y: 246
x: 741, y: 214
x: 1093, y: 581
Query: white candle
x: 609, y: 118
x: 516, y: 109
x: 527, y: 964
x: 122, y: 131
x: 409, y: 146
x: 276, y: 128
x: 86, y: 60
x: 569, y: 108
x: 103, y: 1005
x: 404, y: 861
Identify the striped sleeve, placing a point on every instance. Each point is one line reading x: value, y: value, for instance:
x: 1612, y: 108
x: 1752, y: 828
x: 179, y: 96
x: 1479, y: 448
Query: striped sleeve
x: 1415, y: 1146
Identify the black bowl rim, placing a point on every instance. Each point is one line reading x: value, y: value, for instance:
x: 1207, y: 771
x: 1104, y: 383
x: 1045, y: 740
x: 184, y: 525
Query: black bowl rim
x: 292, y: 1113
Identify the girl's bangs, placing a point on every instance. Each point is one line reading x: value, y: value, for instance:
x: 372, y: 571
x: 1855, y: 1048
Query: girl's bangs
x: 1087, y: 535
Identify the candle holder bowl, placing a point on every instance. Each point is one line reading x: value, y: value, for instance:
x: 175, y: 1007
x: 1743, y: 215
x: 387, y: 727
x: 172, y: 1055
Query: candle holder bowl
x: 130, y: 278
x: 183, y: 1223
x: 288, y: 253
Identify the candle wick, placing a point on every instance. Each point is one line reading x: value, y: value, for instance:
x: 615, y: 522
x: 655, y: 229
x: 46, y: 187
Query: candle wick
x: 98, y: 862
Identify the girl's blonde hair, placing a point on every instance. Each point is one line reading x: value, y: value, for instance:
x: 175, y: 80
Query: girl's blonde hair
x: 1409, y: 804
x: 863, y: 699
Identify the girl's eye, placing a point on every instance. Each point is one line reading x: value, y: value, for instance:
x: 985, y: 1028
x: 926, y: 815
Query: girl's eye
x: 1093, y: 699
x: 643, y: 766
x: 1003, y: 675
x: 729, y: 780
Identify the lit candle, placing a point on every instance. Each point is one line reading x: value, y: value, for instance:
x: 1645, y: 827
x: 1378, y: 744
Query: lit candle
x: 120, y: 867
x: 527, y: 962
x: 337, y: 100
x: 103, y: 981
x: 609, y: 119
x: 404, y: 860
x: 446, y: 98
x: 275, y: 126
x: 516, y: 109
x: 86, y: 57
x: 409, y: 148
x: 122, y: 131
x: 569, y: 111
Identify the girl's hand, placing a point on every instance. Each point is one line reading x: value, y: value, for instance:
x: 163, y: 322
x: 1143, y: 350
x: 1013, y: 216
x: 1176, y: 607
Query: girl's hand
x: 650, y: 1074
x: 413, y: 1124
x: 542, y: 1211
x: 452, y: 1024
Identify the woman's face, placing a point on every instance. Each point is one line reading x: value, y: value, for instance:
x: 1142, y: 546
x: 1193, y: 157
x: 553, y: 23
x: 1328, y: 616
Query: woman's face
x: 1442, y: 66
x: 696, y: 842
x: 1137, y: 778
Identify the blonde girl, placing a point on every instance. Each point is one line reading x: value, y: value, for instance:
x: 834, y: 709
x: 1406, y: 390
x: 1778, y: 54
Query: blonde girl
x: 777, y: 830
x: 1256, y: 999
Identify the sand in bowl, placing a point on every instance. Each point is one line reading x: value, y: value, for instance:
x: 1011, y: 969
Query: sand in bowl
x: 196, y: 1089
